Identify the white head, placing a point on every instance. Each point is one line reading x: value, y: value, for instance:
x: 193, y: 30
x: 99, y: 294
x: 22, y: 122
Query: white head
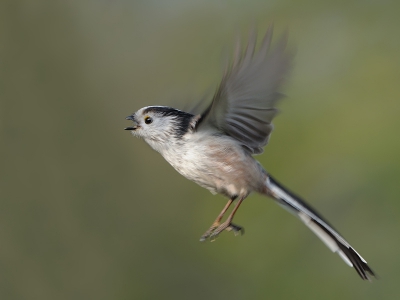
x: 159, y: 125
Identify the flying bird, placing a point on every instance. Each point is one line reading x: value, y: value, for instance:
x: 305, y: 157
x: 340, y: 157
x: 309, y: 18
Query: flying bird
x: 215, y: 148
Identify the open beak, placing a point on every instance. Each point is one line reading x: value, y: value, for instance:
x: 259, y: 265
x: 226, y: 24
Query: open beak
x: 135, y: 124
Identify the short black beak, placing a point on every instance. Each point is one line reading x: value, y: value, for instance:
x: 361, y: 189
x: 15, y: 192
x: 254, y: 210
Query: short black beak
x: 131, y: 118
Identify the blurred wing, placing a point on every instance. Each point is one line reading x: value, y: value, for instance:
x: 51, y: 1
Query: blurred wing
x: 244, y: 104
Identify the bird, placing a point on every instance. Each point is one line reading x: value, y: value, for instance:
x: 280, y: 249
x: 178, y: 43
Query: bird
x: 215, y: 148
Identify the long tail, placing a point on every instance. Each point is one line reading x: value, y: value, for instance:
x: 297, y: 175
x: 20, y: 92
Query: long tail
x: 313, y: 220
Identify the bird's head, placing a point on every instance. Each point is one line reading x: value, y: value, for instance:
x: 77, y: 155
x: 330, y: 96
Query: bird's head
x: 160, y: 124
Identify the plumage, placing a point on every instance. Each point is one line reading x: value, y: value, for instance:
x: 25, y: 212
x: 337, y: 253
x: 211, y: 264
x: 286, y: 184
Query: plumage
x: 244, y: 104
x: 314, y: 221
x: 214, y: 149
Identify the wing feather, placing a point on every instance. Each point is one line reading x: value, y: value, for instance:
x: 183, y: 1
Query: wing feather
x: 244, y: 104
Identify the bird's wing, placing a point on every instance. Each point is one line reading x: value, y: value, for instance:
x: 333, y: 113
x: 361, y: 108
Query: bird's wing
x: 244, y: 104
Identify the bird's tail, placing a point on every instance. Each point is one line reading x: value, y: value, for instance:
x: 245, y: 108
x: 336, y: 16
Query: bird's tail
x: 313, y: 220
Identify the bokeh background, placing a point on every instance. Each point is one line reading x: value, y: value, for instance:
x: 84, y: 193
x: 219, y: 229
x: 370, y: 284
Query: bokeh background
x: 88, y: 212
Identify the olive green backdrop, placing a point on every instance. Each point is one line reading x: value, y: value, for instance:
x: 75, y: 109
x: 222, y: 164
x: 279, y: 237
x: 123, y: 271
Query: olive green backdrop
x: 88, y: 212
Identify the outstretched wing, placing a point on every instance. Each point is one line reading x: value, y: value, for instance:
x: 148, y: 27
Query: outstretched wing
x: 244, y: 104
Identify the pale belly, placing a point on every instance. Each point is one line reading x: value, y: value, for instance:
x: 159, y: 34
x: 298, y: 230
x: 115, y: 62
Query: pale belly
x: 224, y: 170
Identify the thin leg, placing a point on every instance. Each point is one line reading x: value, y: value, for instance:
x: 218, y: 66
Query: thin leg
x: 227, y: 225
x: 221, y: 215
x: 216, y: 222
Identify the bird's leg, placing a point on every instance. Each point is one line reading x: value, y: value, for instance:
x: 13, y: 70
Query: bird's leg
x: 216, y: 223
x: 228, y: 225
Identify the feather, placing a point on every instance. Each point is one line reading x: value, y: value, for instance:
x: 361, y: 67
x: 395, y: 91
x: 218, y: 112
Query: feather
x: 244, y: 104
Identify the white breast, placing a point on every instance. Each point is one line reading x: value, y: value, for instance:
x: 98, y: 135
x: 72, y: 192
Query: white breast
x: 214, y: 162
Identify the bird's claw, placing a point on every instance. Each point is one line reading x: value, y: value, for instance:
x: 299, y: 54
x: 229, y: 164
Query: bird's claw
x: 236, y: 229
x: 216, y: 229
x: 208, y: 233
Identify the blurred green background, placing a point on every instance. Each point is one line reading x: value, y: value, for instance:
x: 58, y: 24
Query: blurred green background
x: 88, y: 212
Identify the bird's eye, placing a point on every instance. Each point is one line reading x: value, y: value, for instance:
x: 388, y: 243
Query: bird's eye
x: 148, y: 120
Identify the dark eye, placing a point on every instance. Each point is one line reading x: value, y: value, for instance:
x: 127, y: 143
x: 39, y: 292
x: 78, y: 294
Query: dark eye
x: 148, y: 120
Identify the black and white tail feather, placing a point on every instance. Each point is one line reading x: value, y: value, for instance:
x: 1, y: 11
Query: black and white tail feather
x: 313, y: 220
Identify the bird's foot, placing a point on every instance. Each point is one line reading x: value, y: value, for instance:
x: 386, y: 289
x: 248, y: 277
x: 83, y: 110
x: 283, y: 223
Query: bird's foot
x: 228, y: 227
x: 210, y: 230
x: 217, y: 228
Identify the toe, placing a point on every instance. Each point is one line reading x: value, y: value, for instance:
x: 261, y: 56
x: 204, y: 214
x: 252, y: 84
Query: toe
x: 209, y: 232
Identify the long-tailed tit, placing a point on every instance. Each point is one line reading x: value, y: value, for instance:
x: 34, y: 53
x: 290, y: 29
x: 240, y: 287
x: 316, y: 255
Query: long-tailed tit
x: 215, y: 148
